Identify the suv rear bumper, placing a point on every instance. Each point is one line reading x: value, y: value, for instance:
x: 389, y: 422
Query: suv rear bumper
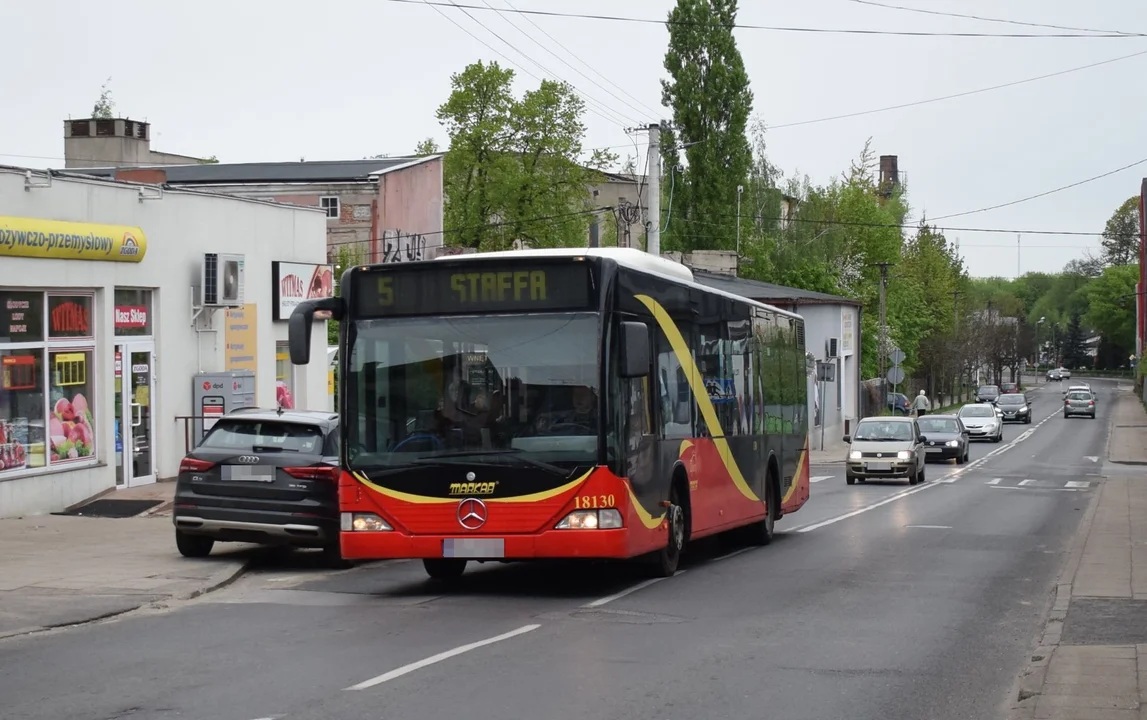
x: 261, y: 527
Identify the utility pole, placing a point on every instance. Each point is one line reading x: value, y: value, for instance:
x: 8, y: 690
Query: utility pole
x: 955, y: 343
x: 740, y: 189
x: 882, y: 342
x: 653, y: 238
x: 1018, y: 251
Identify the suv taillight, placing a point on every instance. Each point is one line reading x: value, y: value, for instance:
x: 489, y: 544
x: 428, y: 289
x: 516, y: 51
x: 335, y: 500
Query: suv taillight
x: 322, y: 472
x: 190, y: 464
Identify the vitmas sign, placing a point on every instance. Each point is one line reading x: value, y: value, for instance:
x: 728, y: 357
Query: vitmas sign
x: 295, y: 282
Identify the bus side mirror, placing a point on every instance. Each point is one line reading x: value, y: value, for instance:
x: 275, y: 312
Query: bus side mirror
x: 302, y: 322
x: 634, y: 349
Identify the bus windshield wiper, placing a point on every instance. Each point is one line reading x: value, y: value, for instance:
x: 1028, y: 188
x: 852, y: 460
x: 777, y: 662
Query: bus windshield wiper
x: 514, y: 454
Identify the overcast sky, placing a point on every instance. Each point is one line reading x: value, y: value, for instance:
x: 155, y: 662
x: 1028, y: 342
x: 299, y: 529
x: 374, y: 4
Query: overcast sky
x: 256, y: 80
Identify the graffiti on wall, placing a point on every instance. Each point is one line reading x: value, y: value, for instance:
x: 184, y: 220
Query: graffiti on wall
x: 396, y: 247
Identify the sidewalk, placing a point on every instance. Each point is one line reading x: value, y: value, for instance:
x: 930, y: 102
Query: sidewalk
x: 60, y: 570
x: 1091, y: 663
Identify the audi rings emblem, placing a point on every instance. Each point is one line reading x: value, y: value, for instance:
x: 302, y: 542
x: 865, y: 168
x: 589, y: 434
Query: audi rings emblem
x: 472, y: 513
x: 248, y: 459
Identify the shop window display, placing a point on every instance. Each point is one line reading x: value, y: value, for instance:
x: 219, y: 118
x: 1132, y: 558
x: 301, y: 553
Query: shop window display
x: 21, y: 410
x: 71, y: 425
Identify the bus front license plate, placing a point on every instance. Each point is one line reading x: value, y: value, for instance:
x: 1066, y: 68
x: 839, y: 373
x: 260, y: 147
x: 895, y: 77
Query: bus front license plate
x: 473, y: 548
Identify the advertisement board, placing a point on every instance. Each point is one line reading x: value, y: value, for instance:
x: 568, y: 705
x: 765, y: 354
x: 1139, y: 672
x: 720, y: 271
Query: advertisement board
x: 291, y: 283
x: 60, y: 240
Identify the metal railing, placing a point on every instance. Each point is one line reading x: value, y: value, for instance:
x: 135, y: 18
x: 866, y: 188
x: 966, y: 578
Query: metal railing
x: 189, y: 441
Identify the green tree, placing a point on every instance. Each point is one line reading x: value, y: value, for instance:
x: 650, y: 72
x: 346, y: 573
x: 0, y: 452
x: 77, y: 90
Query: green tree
x: 1121, y: 234
x: 708, y: 90
x: 426, y: 147
x: 209, y: 161
x: 104, y: 109
x: 343, y: 257
x: 1074, y: 349
x: 513, y: 171
x: 1111, y: 308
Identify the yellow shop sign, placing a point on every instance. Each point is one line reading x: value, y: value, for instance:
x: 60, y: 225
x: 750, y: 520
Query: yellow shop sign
x: 60, y: 240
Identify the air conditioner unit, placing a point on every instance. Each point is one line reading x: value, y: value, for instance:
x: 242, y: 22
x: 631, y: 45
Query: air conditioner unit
x: 222, y: 280
x: 832, y: 347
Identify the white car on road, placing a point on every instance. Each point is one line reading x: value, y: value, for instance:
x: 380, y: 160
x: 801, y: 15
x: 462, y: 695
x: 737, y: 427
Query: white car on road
x: 982, y: 421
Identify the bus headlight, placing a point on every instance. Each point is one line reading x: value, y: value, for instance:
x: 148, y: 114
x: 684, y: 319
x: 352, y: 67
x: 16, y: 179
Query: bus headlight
x: 608, y: 519
x: 362, y: 522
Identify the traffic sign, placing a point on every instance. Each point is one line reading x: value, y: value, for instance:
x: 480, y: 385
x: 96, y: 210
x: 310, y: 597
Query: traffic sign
x: 897, y: 356
x: 895, y: 375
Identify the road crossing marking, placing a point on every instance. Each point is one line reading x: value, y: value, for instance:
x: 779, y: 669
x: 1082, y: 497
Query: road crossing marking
x: 1029, y: 481
x: 994, y: 481
x: 818, y: 478
x: 1078, y: 484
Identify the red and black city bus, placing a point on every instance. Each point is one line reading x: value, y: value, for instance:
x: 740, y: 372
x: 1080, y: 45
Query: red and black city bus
x: 566, y: 403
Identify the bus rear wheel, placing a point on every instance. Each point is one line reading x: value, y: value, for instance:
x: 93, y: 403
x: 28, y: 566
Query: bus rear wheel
x: 761, y: 533
x: 666, y: 560
x: 444, y: 568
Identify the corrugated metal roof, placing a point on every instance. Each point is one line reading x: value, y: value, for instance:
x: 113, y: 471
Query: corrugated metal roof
x: 768, y: 292
x: 274, y: 172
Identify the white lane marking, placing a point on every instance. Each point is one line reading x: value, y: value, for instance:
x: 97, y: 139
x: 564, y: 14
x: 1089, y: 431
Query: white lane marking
x: 1028, y: 481
x: 994, y: 481
x: 930, y: 527
x: 1009, y: 487
x: 733, y: 554
x: 399, y: 672
x: 1078, y: 484
x: 639, y: 586
x: 866, y: 508
x: 818, y: 478
x: 1092, y: 458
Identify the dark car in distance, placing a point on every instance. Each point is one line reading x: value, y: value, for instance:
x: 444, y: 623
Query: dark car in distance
x: 898, y: 404
x: 262, y: 476
x: 987, y: 393
x: 1015, y: 407
x: 1009, y: 388
x: 945, y: 438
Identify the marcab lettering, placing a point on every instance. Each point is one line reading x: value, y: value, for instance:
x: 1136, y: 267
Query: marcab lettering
x: 506, y: 286
x: 473, y: 488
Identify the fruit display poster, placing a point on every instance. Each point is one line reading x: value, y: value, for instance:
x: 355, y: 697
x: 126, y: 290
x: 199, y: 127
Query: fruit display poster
x: 241, y: 337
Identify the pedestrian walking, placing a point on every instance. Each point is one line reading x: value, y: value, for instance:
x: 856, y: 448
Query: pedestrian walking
x: 921, y: 404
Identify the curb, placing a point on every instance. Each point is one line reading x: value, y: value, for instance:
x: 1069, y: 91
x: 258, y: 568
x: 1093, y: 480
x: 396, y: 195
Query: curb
x: 217, y: 581
x: 1028, y: 686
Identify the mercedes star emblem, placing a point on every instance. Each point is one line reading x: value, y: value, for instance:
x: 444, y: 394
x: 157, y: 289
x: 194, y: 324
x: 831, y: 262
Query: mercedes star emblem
x: 471, y: 513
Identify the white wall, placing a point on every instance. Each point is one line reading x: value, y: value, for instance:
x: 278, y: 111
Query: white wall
x: 179, y: 228
x: 821, y: 323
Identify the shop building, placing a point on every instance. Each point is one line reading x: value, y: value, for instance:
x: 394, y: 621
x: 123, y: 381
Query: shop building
x: 115, y: 299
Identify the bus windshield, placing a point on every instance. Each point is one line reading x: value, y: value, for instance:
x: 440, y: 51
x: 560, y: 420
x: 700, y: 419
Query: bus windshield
x: 469, y: 387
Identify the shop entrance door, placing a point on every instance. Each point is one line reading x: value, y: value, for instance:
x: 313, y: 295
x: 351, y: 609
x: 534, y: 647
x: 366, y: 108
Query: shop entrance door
x: 135, y: 416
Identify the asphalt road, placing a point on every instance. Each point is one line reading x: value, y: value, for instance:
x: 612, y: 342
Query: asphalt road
x: 875, y: 601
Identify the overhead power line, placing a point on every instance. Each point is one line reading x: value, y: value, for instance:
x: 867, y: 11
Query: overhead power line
x: 901, y: 226
x: 773, y: 28
x: 993, y: 20
x: 623, y: 91
x: 954, y: 96
x: 1042, y: 194
x: 615, y: 117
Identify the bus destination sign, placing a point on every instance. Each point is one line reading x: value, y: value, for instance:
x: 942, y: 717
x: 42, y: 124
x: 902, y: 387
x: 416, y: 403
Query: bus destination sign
x: 485, y: 288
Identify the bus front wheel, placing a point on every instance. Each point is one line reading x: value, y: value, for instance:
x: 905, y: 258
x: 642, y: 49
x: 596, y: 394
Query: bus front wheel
x: 665, y: 561
x: 444, y: 568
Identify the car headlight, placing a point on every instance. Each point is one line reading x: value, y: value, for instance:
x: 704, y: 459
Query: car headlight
x: 607, y: 519
x: 952, y: 443
x: 903, y: 455
x: 854, y: 455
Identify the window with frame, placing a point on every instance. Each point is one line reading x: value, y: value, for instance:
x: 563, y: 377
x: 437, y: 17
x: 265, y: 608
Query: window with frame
x: 330, y: 204
x: 47, y: 377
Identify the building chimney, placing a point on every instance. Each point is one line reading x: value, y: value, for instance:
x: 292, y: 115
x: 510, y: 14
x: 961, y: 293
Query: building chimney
x: 889, y: 175
x: 111, y: 142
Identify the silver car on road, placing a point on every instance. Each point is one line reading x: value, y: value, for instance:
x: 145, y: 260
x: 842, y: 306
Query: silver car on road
x: 885, y: 448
